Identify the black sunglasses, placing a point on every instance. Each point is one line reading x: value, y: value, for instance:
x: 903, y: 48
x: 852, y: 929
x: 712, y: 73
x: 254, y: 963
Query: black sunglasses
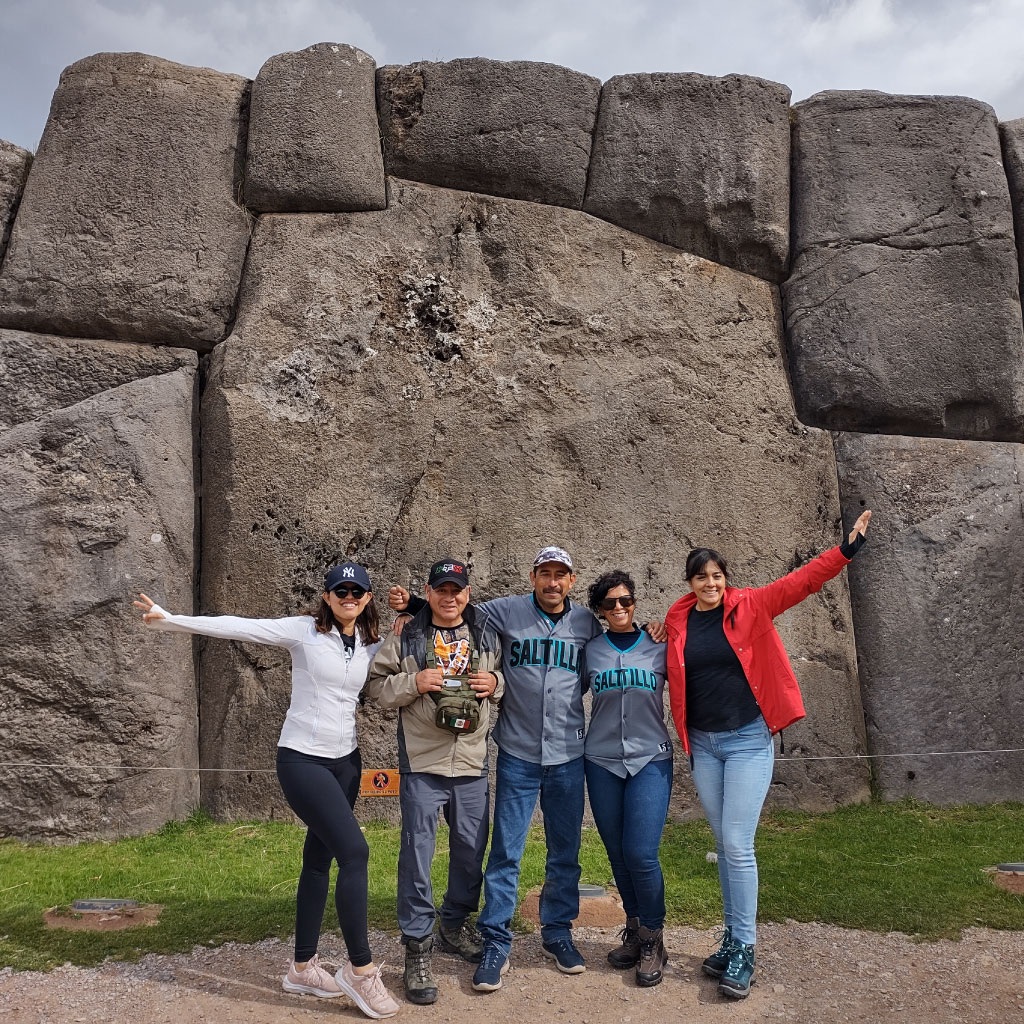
x: 610, y: 602
x: 345, y: 589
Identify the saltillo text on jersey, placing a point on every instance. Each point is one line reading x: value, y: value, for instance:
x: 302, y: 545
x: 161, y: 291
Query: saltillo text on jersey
x: 546, y: 650
x: 621, y: 678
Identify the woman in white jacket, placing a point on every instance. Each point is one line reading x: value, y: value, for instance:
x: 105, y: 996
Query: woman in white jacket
x: 318, y: 766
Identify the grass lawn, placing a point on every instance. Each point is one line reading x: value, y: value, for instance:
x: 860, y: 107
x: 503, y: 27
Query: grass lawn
x: 882, y: 867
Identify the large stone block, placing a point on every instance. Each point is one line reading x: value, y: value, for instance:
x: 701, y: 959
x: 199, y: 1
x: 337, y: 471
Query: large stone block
x: 14, y: 165
x: 519, y: 129
x: 40, y: 374
x: 129, y: 226
x: 96, y: 503
x: 701, y: 163
x: 902, y: 311
x: 1011, y: 134
x: 438, y: 378
x: 314, y: 143
x: 938, y: 611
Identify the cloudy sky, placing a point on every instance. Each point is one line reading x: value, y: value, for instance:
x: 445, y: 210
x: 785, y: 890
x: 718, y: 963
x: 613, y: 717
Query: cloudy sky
x: 966, y: 47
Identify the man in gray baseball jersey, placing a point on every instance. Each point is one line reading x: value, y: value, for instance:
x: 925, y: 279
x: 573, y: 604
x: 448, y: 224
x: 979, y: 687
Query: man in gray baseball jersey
x: 539, y: 734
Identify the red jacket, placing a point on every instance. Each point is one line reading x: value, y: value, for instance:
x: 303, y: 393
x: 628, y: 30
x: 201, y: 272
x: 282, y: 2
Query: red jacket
x: 751, y: 633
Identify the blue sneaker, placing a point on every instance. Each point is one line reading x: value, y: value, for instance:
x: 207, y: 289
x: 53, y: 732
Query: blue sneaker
x: 493, y: 964
x: 714, y: 966
x: 738, y: 976
x: 566, y: 956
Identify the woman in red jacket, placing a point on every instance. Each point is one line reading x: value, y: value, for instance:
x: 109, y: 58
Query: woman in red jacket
x: 732, y: 689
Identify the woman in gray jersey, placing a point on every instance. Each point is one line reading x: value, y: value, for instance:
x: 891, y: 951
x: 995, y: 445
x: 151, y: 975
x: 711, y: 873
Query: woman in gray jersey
x: 628, y: 765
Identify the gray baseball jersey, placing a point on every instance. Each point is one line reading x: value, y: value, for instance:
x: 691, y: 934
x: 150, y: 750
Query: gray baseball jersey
x: 541, y: 717
x: 627, y: 714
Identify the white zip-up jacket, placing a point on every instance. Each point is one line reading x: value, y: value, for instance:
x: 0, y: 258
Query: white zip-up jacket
x: 326, y: 679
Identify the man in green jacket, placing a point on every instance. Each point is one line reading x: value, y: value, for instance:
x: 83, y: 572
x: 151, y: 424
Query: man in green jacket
x: 442, y: 674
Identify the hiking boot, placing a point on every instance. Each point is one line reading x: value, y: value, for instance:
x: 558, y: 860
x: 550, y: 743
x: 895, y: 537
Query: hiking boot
x: 653, y: 957
x: 493, y: 964
x: 462, y: 939
x: 565, y: 954
x: 714, y: 966
x: 312, y: 980
x: 367, y: 991
x: 420, y: 986
x: 628, y: 953
x: 738, y: 975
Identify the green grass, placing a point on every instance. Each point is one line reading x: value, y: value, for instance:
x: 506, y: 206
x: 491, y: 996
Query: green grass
x: 903, y: 867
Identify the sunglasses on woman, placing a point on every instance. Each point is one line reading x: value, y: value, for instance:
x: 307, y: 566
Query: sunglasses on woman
x: 345, y: 589
x: 610, y: 602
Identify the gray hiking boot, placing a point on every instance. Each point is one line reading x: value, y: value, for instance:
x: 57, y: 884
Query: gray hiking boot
x: 628, y: 953
x: 463, y: 939
x: 653, y: 957
x: 420, y: 986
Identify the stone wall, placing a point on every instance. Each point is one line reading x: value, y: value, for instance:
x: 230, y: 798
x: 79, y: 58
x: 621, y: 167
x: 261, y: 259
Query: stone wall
x: 471, y: 308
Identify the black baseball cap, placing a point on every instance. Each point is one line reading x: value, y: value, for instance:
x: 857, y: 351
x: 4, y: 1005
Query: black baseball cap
x: 348, y: 572
x: 448, y: 571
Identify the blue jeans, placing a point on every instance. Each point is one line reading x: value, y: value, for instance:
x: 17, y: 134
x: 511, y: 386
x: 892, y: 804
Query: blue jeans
x: 732, y: 771
x: 630, y: 815
x: 517, y: 786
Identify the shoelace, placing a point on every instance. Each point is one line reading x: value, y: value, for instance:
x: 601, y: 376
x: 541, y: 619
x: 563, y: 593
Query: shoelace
x: 737, y: 962
x: 373, y: 980
x: 492, y: 958
x: 420, y: 963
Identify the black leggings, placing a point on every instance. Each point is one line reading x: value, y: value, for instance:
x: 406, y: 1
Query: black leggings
x: 321, y: 791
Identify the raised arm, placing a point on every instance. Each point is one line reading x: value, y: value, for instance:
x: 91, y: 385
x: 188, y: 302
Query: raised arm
x: 284, y: 632
x: 810, y: 578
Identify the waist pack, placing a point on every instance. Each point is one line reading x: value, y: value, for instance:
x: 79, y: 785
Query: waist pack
x: 458, y: 707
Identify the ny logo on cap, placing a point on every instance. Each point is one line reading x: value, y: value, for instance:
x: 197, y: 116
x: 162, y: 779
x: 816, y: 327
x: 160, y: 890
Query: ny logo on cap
x: 348, y: 572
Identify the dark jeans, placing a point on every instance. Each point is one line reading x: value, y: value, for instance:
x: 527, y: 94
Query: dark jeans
x: 322, y: 791
x: 630, y: 815
x: 560, y: 787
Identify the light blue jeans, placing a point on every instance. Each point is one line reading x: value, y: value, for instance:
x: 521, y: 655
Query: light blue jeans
x: 732, y: 771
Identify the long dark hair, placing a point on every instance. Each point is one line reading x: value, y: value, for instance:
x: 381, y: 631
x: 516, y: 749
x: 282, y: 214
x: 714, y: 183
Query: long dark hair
x: 699, y: 557
x: 598, y: 590
x: 367, y: 625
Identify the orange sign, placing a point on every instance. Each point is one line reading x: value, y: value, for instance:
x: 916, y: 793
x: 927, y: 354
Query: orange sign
x: 378, y: 782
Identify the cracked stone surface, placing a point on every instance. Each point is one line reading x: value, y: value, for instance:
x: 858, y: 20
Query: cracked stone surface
x: 937, y: 611
x: 520, y: 129
x: 129, y: 226
x: 314, y: 143
x: 96, y: 504
x: 438, y: 378
x: 42, y: 373
x: 14, y: 165
x: 903, y: 311
x: 701, y: 163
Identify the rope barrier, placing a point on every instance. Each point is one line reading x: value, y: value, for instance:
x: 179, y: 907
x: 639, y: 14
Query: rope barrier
x: 181, y: 768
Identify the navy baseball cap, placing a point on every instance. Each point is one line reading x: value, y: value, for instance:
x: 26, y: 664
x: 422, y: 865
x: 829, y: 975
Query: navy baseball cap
x: 348, y: 572
x: 448, y: 571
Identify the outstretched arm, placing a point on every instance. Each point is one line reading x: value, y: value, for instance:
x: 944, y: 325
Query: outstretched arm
x: 810, y: 578
x: 278, y: 632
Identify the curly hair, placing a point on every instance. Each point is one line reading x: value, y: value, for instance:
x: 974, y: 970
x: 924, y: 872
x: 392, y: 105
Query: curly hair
x: 598, y: 590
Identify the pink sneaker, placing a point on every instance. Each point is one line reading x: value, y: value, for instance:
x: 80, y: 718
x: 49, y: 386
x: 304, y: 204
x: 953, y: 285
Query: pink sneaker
x: 367, y: 991
x: 312, y: 980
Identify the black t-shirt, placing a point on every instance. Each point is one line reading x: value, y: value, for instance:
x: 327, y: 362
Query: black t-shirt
x: 718, y: 696
x: 349, y: 641
x: 623, y: 641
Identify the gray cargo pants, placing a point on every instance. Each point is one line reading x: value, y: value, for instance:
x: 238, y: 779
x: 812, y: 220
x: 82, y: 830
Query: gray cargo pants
x: 465, y: 803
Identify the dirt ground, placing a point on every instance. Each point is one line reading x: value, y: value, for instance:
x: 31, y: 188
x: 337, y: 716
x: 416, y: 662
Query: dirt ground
x: 806, y: 972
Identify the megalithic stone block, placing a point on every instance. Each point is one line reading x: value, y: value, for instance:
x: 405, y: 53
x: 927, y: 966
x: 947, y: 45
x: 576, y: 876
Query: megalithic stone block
x: 473, y: 376
x: 129, y: 227
x: 1011, y: 134
x: 14, y: 165
x: 701, y: 163
x: 902, y: 312
x: 96, y: 504
x: 937, y: 611
x: 519, y: 129
x: 314, y: 143
x: 40, y: 374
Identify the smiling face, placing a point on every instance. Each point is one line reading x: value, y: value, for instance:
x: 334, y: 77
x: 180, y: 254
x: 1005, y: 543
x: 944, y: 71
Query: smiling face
x: 346, y: 608
x: 552, y: 582
x: 709, y: 586
x: 447, y: 603
x: 619, y: 619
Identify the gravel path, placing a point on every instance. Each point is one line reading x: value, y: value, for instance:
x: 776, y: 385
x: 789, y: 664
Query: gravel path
x: 807, y: 972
